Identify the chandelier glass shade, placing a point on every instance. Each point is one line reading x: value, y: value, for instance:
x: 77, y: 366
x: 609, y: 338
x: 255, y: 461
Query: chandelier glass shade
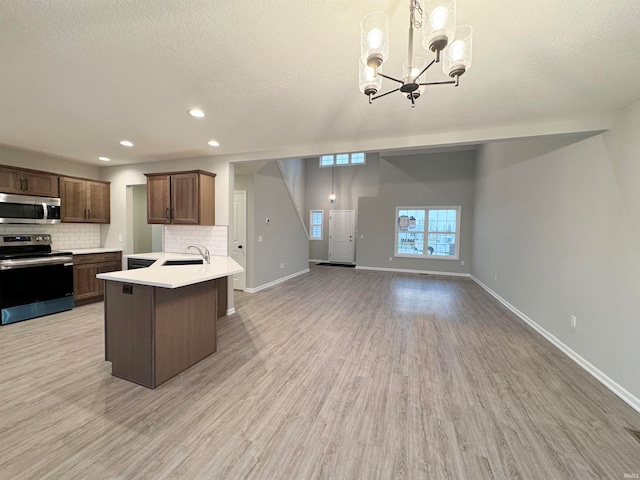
x: 439, y: 35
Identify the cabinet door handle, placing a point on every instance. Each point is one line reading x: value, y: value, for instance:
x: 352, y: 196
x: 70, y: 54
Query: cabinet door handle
x: 88, y: 213
x: 21, y: 184
x: 26, y: 185
x: 84, y: 213
x: 167, y: 214
x: 171, y: 215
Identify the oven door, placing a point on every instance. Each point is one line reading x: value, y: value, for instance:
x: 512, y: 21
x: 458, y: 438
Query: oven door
x: 35, y: 287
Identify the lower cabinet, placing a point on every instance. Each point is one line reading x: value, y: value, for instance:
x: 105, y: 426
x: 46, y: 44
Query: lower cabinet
x: 86, y: 287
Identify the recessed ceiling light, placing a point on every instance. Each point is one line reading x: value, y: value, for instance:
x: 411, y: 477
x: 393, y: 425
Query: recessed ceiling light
x: 196, y: 113
x: 126, y: 143
x: 104, y: 159
x: 213, y: 143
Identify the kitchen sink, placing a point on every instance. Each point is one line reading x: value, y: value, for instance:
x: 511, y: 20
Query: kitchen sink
x: 170, y: 263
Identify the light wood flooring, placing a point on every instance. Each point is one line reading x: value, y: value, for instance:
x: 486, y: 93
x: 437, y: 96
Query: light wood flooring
x: 336, y: 374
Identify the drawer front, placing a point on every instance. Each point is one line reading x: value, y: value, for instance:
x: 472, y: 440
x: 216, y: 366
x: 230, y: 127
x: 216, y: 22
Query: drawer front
x: 97, y: 258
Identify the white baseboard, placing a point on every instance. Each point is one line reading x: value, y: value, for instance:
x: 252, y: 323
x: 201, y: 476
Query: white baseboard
x: 231, y: 311
x: 616, y: 388
x: 275, y: 282
x: 314, y: 260
x: 404, y: 270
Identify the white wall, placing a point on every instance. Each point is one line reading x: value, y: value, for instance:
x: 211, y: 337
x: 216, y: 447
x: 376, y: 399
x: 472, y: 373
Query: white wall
x: 39, y: 161
x: 121, y: 176
x: 559, y: 224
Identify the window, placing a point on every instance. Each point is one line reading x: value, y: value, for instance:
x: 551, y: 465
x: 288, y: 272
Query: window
x: 428, y: 232
x: 343, y: 159
x: 326, y: 160
x: 315, y: 224
x: 357, y: 158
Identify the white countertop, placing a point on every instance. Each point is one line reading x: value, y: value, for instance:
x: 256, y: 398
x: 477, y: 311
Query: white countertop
x: 174, y: 276
x: 84, y: 251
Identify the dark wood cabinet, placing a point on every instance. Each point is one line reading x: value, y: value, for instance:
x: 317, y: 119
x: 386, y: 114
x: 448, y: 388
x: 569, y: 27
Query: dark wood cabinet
x: 158, y: 199
x: 181, y: 198
x: 86, y: 287
x: 154, y: 333
x: 28, y: 182
x: 84, y: 201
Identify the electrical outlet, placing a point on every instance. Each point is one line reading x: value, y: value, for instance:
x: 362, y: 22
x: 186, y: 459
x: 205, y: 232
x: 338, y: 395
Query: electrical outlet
x: 119, y: 237
x: 259, y: 238
x: 495, y: 277
x: 573, y: 322
x: 361, y: 237
x: 282, y: 265
x: 390, y: 258
x: 461, y: 262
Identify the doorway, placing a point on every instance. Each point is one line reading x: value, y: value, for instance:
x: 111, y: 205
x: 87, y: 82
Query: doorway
x: 341, y: 233
x: 239, y: 237
x: 141, y: 236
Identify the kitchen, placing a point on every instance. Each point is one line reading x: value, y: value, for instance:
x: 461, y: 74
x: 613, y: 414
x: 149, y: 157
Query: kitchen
x: 191, y: 193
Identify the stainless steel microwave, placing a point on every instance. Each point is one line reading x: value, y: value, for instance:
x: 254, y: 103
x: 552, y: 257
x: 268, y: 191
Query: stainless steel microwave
x: 28, y: 209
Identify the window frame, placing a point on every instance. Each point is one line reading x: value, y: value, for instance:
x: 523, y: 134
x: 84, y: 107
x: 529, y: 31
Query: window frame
x: 311, y: 224
x: 425, y: 232
x: 349, y: 162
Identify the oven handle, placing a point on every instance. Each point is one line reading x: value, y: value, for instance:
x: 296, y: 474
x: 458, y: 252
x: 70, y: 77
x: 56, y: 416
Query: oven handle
x: 67, y: 261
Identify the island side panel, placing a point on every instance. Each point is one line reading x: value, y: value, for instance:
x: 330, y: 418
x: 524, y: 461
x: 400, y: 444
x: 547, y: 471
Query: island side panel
x: 128, y: 331
x: 185, y: 327
x: 221, y: 284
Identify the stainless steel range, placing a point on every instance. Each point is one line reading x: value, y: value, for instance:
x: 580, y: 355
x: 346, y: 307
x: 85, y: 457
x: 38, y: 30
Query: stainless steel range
x: 34, y: 280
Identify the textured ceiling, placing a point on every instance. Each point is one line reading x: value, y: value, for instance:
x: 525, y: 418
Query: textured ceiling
x: 279, y: 78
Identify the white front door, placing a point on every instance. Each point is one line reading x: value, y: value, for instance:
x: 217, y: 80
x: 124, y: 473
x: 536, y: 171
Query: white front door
x: 239, y: 237
x: 341, y: 232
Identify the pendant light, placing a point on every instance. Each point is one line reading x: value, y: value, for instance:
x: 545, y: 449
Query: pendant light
x: 439, y: 35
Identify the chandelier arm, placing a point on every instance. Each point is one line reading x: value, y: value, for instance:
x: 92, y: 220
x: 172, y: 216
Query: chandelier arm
x: 439, y: 83
x: 386, y: 93
x: 425, y: 69
x: 390, y: 78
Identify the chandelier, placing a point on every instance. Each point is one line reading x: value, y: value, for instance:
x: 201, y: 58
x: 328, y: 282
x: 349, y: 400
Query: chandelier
x: 439, y: 34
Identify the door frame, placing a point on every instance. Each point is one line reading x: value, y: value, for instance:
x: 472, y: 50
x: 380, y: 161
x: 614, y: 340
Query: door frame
x: 239, y: 279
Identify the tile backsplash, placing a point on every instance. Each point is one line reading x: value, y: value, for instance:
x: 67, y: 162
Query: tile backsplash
x: 178, y: 237
x: 64, y: 236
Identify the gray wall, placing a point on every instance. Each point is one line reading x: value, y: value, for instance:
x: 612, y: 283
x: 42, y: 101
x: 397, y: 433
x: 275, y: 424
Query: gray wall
x: 442, y: 179
x: 283, y: 238
x: 560, y: 227
x: 350, y: 183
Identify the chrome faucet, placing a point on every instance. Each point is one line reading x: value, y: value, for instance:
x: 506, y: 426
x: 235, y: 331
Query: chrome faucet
x: 204, y: 255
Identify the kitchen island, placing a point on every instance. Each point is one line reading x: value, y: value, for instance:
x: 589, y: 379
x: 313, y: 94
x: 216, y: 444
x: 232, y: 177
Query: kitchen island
x: 161, y: 320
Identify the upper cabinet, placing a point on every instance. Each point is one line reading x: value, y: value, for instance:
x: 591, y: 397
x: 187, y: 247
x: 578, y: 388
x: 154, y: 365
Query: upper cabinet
x: 84, y: 201
x: 181, y: 198
x: 28, y: 182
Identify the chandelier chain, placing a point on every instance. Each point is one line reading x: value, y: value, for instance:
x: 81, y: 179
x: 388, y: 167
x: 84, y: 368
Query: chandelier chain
x: 414, y: 7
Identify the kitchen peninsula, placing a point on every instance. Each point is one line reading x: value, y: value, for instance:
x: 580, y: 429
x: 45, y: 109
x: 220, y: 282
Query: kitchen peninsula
x: 161, y: 320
